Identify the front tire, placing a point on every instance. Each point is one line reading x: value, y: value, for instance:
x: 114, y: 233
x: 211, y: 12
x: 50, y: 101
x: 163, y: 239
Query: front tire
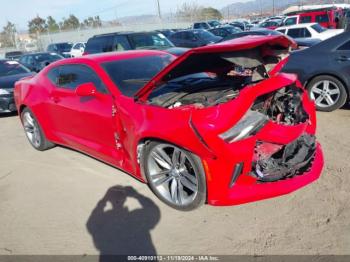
x: 328, y: 93
x: 34, y: 132
x: 175, y: 175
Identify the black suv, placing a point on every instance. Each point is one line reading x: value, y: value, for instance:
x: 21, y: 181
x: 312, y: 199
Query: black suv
x: 129, y: 41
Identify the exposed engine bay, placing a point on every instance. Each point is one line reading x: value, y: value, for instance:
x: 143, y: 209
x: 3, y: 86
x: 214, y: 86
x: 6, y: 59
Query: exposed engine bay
x: 275, y: 162
x: 214, y: 78
x: 283, y: 106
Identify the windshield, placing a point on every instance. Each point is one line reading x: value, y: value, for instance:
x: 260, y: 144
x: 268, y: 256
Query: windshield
x: 150, y: 41
x: 203, y: 34
x: 8, y: 68
x: 214, y: 23
x: 130, y: 75
x: 64, y: 47
x: 318, y: 28
x: 47, y: 57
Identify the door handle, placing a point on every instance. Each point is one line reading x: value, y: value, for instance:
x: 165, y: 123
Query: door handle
x: 343, y: 58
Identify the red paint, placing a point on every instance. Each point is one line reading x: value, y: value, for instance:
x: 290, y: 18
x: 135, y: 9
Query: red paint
x: 89, y: 125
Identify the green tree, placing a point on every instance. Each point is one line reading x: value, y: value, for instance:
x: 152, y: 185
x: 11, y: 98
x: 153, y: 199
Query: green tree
x: 8, y: 35
x: 92, y: 22
x: 52, y: 25
x: 210, y: 13
x: 37, y: 26
x: 72, y: 22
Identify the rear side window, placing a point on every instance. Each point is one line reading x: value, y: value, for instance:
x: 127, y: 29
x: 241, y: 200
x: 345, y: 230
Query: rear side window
x: 345, y: 47
x: 71, y: 76
x: 299, y: 33
x: 322, y: 18
x: 305, y: 19
x: 121, y: 43
x: 99, y: 44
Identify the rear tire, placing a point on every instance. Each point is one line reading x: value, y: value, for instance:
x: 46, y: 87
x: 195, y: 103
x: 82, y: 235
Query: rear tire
x: 175, y: 175
x: 33, y: 131
x: 328, y: 93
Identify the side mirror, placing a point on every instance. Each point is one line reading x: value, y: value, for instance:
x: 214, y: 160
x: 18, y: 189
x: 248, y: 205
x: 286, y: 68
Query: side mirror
x: 87, y: 89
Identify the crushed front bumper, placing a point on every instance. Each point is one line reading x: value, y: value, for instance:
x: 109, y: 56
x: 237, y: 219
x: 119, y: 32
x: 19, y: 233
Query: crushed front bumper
x: 247, y: 189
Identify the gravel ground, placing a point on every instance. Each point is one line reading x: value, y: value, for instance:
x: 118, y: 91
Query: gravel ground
x: 53, y: 203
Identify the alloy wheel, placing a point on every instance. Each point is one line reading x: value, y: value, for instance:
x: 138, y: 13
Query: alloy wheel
x: 326, y: 93
x: 31, y: 129
x: 172, y: 174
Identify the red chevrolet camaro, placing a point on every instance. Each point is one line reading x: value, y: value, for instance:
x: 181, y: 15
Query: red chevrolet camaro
x: 215, y: 125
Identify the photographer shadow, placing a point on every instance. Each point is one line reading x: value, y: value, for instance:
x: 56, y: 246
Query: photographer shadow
x: 119, y: 231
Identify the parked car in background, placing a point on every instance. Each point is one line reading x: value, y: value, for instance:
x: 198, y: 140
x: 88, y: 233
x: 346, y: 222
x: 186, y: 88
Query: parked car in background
x: 60, y: 48
x: 306, y: 42
x: 256, y: 31
x: 311, y: 30
x: 77, y: 49
x: 127, y: 41
x: 206, y: 25
x: 193, y: 38
x: 14, y: 55
x: 271, y: 24
x: 238, y: 24
x: 166, y: 32
x: 324, y: 71
x: 225, y: 31
x: 10, y: 72
x: 37, y: 61
x: 30, y: 47
x: 202, y: 128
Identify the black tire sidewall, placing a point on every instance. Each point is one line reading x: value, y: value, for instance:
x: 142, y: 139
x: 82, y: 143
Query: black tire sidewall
x: 200, y: 199
x: 343, y: 94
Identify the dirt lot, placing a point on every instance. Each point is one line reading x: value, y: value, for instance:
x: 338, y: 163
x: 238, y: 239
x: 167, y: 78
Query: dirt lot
x: 50, y: 204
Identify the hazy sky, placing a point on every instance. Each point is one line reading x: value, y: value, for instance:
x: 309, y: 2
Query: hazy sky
x: 21, y: 11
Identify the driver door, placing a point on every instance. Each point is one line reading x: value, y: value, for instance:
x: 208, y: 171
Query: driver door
x: 85, y: 122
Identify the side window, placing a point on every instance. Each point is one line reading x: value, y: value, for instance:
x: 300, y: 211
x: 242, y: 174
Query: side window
x: 23, y: 60
x: 121, y: 43
x: 291, y: 21
x: 294, y: 32
x: 71, y: 76
x: 345, y: 47
x: 30, y: 60
x: 188, y: 35
x: 306, y: 33
x: 322, y: 18
x: 53, y: 75
x: 283, y: 31
x: 305, y: 19
x: 196, y: 26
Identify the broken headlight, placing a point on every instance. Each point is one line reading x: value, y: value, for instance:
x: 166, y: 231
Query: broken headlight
x: 251, y: 122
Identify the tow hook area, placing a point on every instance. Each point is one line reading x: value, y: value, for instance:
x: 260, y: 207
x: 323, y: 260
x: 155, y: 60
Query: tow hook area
x: 275, y: 162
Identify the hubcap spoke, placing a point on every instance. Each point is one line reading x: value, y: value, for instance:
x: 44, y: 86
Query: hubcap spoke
x: 329, y: 100
x: 334, y: 91
x: 316, y: 90
x: 162, y: 181
x: 325, y: 85
x: 172, y: 174
x: 162, y: 159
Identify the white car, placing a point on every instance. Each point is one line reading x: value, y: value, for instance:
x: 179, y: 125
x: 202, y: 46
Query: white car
x: 309, y: 30
x: 77, y: 49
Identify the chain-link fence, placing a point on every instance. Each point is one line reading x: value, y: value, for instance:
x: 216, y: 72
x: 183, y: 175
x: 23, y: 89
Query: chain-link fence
x: 82, y: 35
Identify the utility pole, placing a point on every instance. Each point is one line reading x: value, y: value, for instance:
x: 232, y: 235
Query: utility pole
x: 273, y: 7
x: 159, y: 12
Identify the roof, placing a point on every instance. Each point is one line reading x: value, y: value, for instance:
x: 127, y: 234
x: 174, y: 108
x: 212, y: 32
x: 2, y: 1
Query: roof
x: 310, y: 8
x: 112, y: 56
x: 125, y: 33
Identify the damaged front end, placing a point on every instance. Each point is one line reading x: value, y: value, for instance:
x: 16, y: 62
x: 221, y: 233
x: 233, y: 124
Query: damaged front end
x: 275, y: 162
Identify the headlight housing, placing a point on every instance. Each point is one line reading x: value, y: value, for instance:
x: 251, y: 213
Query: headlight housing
x: 4, y: 92
x: 250, y: 123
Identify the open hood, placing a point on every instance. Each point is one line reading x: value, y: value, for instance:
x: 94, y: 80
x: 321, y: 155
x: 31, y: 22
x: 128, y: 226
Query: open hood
x: 249, y: 51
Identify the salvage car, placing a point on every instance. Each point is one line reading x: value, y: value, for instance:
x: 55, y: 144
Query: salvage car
x: 216, y: 125
x: 37, y: 61
x: 10, y: 72
x: 193, y: 38
x: 324, y: 70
